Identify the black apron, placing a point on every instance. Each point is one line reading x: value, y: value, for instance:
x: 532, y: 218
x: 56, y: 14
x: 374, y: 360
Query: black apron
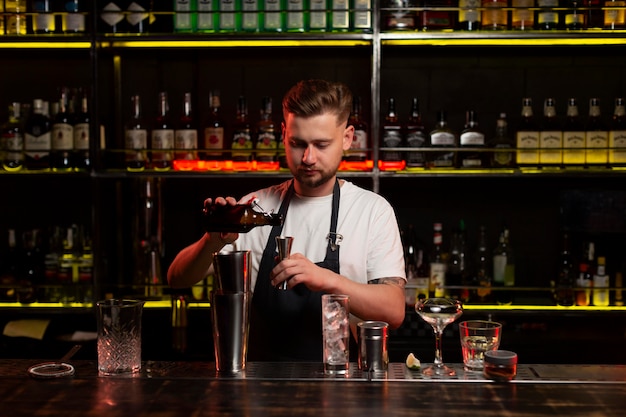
x: 287, y: 325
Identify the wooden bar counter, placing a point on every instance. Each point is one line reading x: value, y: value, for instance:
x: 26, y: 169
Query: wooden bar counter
x: 168, y: 389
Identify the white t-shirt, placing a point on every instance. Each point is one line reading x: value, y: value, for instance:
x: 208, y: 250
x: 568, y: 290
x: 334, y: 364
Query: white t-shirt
x: 370, y: 247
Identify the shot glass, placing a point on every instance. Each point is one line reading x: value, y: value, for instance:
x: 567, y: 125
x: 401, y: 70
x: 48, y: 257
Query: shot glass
x: 478, y: 337
x: 119, y: 336
x: 336, y: 333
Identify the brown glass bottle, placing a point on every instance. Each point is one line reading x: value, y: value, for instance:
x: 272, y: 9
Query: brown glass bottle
x: 358, y: 149
x: 62, y: 136
x: 162, y: 137
x: 186, y: 133
x: 266, y: 142
x: 242, y: 134
x: 617, y: 134
x: 416, y: 137
x: 136, y: 138
x: 238, y: 218
x: 391, y: 134
x: 213, y: 143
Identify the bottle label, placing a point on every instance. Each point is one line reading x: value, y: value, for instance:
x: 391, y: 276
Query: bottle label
x: 14, y: 144
x: 416, y: 139
x: 317, y: 16
x: 499, y: 267
x: 600, y: 290
x: 529, y: 143
x: 62, y: 137
x: 182, y: 18
x: 214, y: 140
x: 549, y: 15
x: 81, y: 136
x: 522, y: 16
x: 250, y: 15
x: 74, y: 22
x: 391, y: 139
x: 273, y: 15
x: 37, y: 146
x: 295, y: 15
x: 136, y: 139
x: 340, y: 16
x: 227, y: 14
x: 111, y: 14
x: 205, y: 17
x: 242, y: 141
x: 617, y: 143
x: 472, y: 139
x: 551, y: 143
x: 359, y: 143
x: 186, y: 139
x: 573, y: 147
x: 437, y: 278
x: 617, y: 16
x: 442, y: 139
x: 597, y: 147
x: 266, y: 142
x: 162, y: 139
x: 362, y: 14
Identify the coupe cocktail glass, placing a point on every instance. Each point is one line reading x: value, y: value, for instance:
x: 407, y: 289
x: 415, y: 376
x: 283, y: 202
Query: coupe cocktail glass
x: 439, y: 312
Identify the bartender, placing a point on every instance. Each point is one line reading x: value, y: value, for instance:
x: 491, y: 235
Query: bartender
x: 346, y: 239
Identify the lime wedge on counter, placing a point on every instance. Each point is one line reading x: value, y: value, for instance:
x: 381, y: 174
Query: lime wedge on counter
x: 412, y: 362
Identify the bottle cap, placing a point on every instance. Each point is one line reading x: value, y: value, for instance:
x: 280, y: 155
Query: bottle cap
x: 501, y: 357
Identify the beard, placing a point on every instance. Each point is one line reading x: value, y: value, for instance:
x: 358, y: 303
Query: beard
x: 313, y: 181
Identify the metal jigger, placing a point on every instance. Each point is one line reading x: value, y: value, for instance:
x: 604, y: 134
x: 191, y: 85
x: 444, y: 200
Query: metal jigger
x: 283, y: 243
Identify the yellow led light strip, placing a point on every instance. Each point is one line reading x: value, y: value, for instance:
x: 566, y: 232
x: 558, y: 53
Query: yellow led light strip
x: 513, y: 307
x: 233, y: 43
x: 45, y: 45
x: 505, y: 42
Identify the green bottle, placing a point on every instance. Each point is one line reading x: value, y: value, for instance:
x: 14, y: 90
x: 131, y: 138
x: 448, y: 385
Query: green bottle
x: 297, y: 19
x: 230, y: 15
x: 185, y: 16
x: 273, y: 16
x: 207, y: 16
x: 250, y: 16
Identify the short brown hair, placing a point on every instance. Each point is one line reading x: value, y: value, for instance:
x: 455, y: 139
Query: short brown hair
x: 315, y: 97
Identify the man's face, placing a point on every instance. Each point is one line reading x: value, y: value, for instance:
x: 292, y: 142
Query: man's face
x: 314, y: 147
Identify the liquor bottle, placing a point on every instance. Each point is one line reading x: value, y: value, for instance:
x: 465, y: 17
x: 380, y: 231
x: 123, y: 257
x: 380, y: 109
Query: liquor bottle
x: 502, y: 144
x: 162, y: 136
x: 13, y: 140
x: 482, y: 270
x: 437, y: 264
x: 186, y: 133
x: 573, y: 136
x: 391, y: 137
x: 438, y: 15
x: 73, y: 17
x: 617, y: 134
x: 266, y: 142
x: 456, y: 272
x: 112, y: 17
x: 550, y: 136
x: 361, y: 18
x: 238, y: 218
x: 494, y: 15
x: 360, y: 141
x: 318, y: 16
x: 9, y: 268
x: 503, y: 268
x: 614, y: 14
x: 547, y: 16
x: 295, y: 19
x: 32, y: 267
x: 340, y: 15
x: 415, y: 137
x: 527, y: 136
x: 85, y: 269
x: 242, y: 135
x: 207, y: 16
x: 229, y: 17
x: 472, y: 138
x: 62, y: 136
x: 597, y: 137
x: 2, y: 30
x: 601, y: 284
x: 250, y: 16
x: 595, y: 14
x: 213, y: 132
x: 574, y: 16
x: 138, y: 17
x: 273, y: 16
x: 16, y: 17
x: 82, y: 131
x: 136, y: 138
x: 43, y: 16
x: 185, y: 16
x: 153, y: 274
x: 442, y: 137
x: 522, y: 17
x: 564, y: 286
x: 37, y: 140
x: 67, y: 274
x: 586, y: 270
x: 416, y: 266
x: 619, y: 296
x: 469, y: 15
